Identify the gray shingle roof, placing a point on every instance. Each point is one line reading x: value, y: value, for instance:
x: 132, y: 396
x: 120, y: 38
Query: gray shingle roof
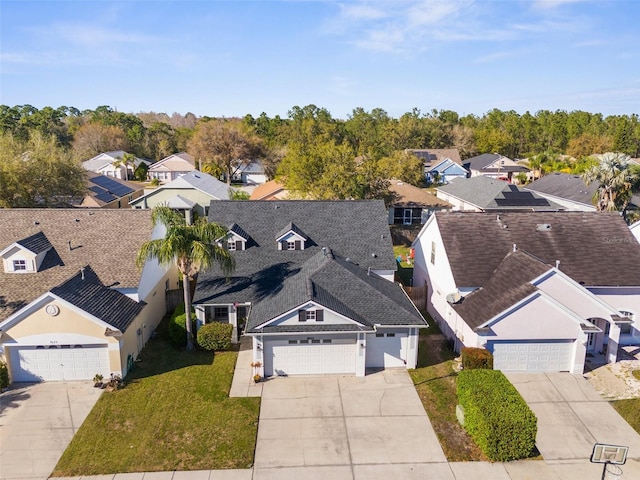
x: 87, y: 292
x: 594, y: 248
x: 291, y: 228
x: 565, y: 185
x: 509, y: 283
x: 106, y: 239
x: 36, y: 243
x: 491, y: 194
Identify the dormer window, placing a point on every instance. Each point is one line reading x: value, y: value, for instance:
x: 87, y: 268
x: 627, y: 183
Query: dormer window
x: 231, y: 245
x: 291, y: 246
x: 291, y: 238
x: 19, y: 265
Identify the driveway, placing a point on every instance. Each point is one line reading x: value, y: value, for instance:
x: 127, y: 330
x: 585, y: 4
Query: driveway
x: 37, y: 422
x: 572, y: 416
x: 345, y: 427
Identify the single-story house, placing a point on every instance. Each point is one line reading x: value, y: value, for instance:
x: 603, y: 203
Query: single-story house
x: 171, y: 167
x: 567, y: 190
x: 189, y: 194
x: 251, y: 173
x: 270, y: 190
x: 485, y: 194
x: 412, y: 205
x: 433, y: 156
x: 541, y: 291
x: 445, y: 171
x: 313, y: 287
x: 109, y: 192
x: 73, y: 304
x: 111, y: 164
x: 493, y: 165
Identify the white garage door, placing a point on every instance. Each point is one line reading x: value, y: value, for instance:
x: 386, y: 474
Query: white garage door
x: 309, y: 356
x: 62, y: 362
x: 533, y: 356
x: 386, y: 350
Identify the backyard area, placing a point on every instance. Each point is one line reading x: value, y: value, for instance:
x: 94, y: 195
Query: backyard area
x: 174, y: 413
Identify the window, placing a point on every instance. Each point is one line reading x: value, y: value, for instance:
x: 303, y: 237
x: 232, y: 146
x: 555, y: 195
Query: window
x: 231, y: 245
x: 310, y: 315
x: 379, y: 335
x: 293, y: 342
x: 166, y: 285
x: 304, y: 341
x: 625, y: 328
x: 19, y: 265
x: 433, y: 253
x: 326, y: 340
x: 315, y: 341
x: 220, y: 313
x: 291, y: 245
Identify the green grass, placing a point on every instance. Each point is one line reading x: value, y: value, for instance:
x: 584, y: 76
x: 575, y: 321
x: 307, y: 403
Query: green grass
x: 173, y: 414
x: 405, y: 271
x: 630, y: 411
x: 636, y: 374
x: 435, y: 382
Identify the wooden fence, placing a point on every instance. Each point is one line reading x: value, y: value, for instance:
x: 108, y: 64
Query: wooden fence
x: 173, y: 299
x: 418, y: 296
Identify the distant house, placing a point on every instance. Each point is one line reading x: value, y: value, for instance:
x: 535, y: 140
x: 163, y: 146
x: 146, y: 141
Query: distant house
x: 109, y: 192
x: 190, y: 194
x: 171, y: 167
x: 270, y: 190
x: 445, y: 171
x: 412, y: 205
x: 484, y: 194
x: 433, y: 156
x: 493, y: 165
x: 109, y: 164
x: 567, y: 190
x: 251, y: 173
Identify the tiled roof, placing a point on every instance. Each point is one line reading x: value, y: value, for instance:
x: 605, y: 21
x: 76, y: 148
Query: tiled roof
x: 106, y: 239
x: 87, y: 292
x: 492, y: 194
x: 36, y: 243
x: 508, y: 284
x: 594, y: 248
x: 410, y: 195
x: 565, y: 185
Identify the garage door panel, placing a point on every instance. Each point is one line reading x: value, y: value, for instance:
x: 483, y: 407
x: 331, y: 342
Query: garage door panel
x: 33, y: 364
x: 386, y: 350
x: 532, y: 356
x: 284, y: 358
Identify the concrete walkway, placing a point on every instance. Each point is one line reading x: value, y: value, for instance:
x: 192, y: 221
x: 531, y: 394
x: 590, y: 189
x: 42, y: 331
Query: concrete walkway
x: 242, y: 384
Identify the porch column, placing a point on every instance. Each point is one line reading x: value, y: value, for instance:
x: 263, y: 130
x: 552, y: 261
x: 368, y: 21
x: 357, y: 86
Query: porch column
x: 361, y: 354
x: 233, y: 320
x: 614, y: 341
x: 200, y: 316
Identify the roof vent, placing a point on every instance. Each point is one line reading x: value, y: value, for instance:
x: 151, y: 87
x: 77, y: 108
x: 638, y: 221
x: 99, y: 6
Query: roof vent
x: 374, y: 255
x: 557, y: 264
x: 77, y: 220
x: 82, y: 273
x: 515, y: 247
x: 36, y: 222
x: 543, y: 227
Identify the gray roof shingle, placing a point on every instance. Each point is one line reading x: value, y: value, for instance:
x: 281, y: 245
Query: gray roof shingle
x: 565, y: 185
x: 36, y: 243
x: 87, y: 292
x: 594, y: 248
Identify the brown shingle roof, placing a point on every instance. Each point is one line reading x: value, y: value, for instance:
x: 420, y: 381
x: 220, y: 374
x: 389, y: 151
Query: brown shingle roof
x: 107, y: 240
x: 509, y: 284
x: 594, y: 248
x: 409, y: 195
x: 433, y: 156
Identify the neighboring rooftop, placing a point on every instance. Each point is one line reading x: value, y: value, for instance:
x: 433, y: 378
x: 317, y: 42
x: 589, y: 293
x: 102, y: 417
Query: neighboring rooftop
x: 433, y: 156
x: 407, y: 195
x: 566, y: 186
x: 192, y: 180
x: 177, y: 162
x: 104, y: 190
x: 493, y: 163
x: 270, y: 190
x: 492, y: 194
x: 593, y: 248
x: 106, y: 239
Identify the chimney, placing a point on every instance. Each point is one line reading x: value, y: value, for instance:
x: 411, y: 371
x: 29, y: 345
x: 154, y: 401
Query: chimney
x: 82, y: 273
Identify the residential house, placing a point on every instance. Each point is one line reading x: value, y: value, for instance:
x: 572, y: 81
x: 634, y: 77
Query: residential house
x: 433, y: 156
x: 73, y: 304
x: 567, y: 190
x: 109, y: 192
x: 190, y: 194
x: 171, y: 167
x: 313, y: 287
x: 251, y: 173
x: 485, y: 194
x: 542, y: 291
x: 635, y: 229
x: 493, y: 165
x: 445, y: 171
x: 111, y: 165
x: 412, y: 205
x: 270, y: 190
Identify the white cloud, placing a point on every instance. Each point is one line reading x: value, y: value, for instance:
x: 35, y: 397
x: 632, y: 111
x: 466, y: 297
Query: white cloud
x: 493, y: 57
x: 552, y: 4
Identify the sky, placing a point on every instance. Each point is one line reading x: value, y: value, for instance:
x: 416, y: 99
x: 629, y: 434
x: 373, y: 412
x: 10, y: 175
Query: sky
x: 232, y: 58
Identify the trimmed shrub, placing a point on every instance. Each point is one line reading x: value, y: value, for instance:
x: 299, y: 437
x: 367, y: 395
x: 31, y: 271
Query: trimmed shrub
x: 4, y: 376
x: 215, y: 336
x: 178, y: 326
x: 473, y: 358
x: 496, y: 416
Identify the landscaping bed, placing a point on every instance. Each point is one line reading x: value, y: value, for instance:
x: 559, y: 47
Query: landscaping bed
x: 173, y: 413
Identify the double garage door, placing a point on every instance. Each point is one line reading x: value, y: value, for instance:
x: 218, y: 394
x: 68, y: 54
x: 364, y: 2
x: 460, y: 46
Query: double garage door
x: 309, y: 356
x: 533, y: 356
x: 60, y: 362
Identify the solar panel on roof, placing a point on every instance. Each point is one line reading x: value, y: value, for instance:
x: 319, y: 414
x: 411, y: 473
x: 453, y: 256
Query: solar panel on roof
x: 106, y: 197
x: 112, y: 186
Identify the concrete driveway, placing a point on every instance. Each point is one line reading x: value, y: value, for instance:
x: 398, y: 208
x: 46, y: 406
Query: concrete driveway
x: 37, y: 422
x: 572, y: 416
x: 345, y: 427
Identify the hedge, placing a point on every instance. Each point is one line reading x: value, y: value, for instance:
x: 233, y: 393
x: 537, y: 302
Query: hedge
x: 496, y: 416
x: 4, y: 376
x: 178, y: 326
x: 215, y: 336
x: 473, y: 358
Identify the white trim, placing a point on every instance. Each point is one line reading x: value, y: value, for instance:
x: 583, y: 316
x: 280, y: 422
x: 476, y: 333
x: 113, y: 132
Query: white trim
x: 56, y: 339
x: 304, y: 306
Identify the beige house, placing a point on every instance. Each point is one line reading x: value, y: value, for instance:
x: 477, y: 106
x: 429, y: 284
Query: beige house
x: 72, y: 303
x: 171, y: 167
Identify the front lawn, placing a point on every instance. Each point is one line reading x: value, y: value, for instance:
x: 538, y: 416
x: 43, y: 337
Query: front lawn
x: 173, y: 414
x: 435, y: 381
x: 630, y: 411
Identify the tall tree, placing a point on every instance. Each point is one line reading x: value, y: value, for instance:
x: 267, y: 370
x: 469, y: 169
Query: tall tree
x: 224, y: 144
x: 94, y: 138
x: 37, y: 172
x: 617, y: 180
x: 192, y: 248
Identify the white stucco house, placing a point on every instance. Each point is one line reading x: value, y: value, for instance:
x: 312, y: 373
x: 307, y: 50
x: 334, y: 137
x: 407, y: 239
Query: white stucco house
x: 313, y: 287
x: 541, y: 291
x: 172, y: 167
x: 111, y: 165
x: 73, y: 304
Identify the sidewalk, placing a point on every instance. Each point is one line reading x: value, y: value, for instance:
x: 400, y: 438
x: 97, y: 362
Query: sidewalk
x: 242, y: 384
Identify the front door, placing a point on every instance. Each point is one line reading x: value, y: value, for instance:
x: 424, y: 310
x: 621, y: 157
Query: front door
x: 591, y: 342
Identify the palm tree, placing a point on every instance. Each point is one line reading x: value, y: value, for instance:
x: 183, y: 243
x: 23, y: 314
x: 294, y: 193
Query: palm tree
x: 191, y: 247
x: 617, y: 179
